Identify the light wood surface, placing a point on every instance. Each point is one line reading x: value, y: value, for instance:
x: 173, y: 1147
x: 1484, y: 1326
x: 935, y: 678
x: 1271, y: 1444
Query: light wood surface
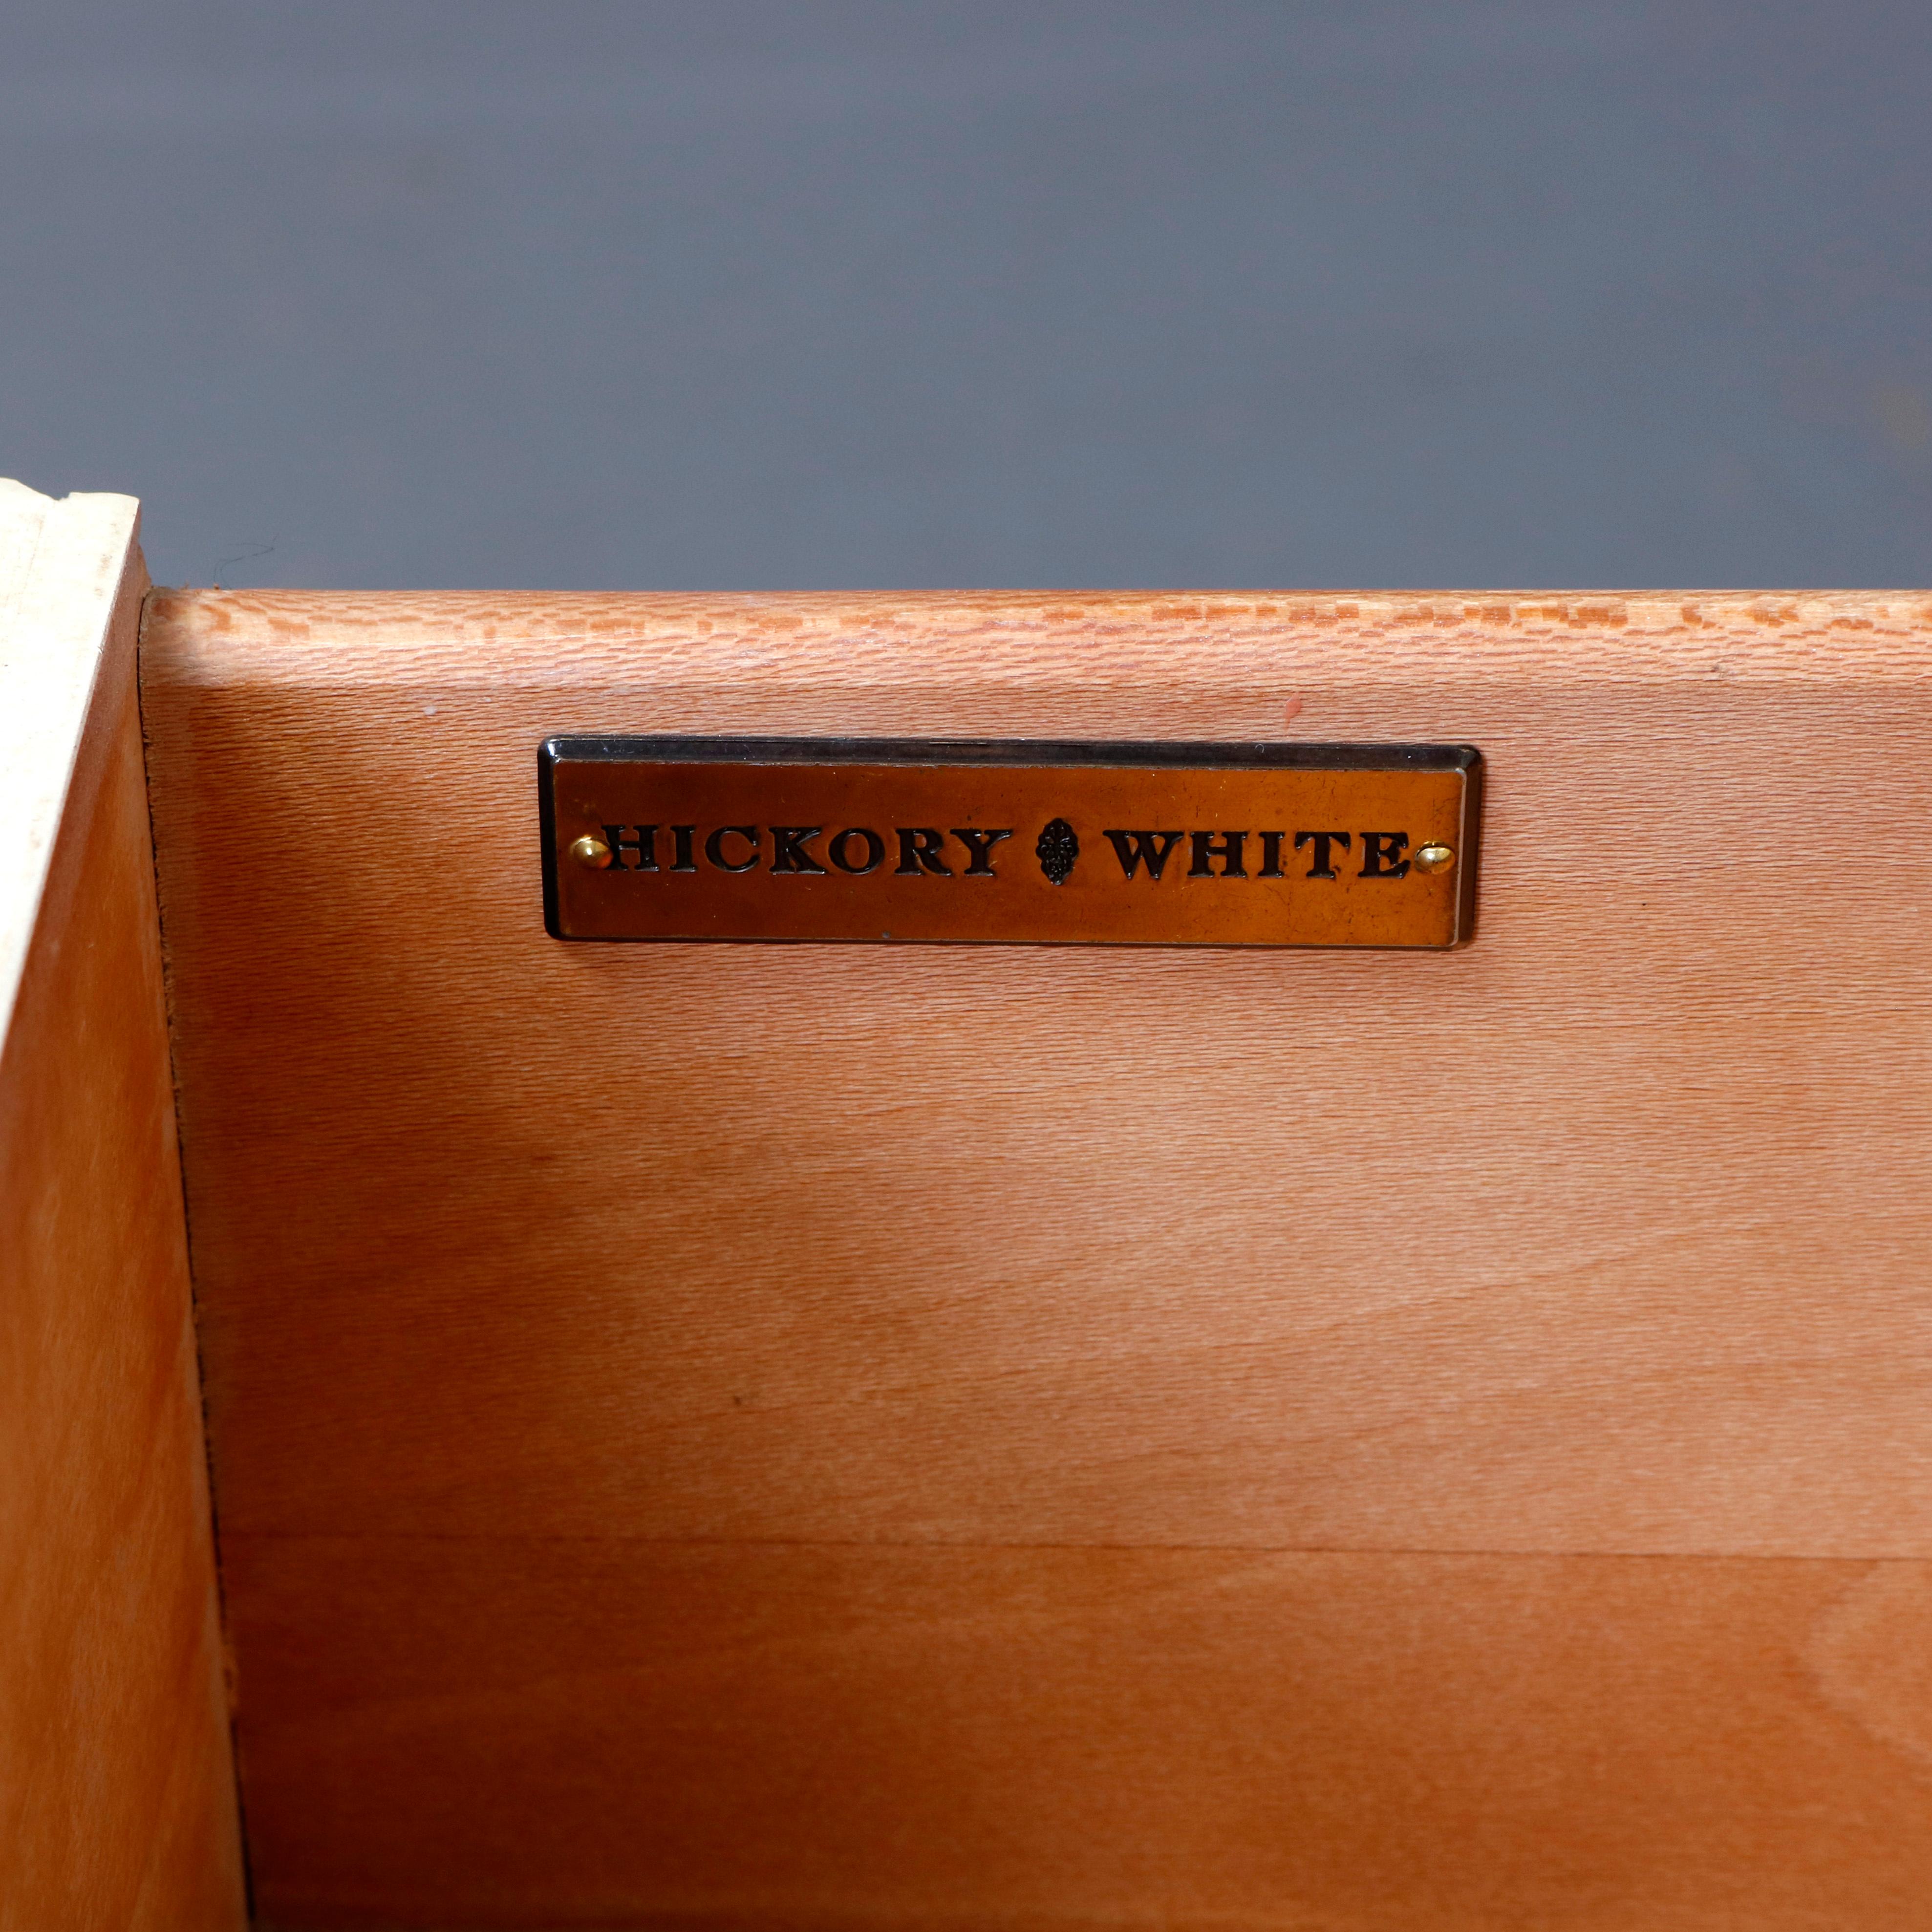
x: 117, y: 1803
x: 1608, y: 1235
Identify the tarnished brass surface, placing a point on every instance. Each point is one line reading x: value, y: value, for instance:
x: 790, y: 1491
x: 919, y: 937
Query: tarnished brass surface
x: 1151, y: 845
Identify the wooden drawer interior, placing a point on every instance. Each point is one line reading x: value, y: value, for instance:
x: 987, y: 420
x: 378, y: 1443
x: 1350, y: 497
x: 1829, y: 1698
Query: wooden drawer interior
x: 826, y: 1436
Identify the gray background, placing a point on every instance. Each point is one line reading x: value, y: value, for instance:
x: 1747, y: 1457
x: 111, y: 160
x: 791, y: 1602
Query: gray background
x: 418, y: 293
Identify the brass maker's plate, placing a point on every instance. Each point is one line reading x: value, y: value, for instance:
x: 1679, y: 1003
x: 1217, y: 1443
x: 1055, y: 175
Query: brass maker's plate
x: 1015, y: 841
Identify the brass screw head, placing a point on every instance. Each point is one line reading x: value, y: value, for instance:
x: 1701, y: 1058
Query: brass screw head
x: 590, y: 851
x: 1434, y: 858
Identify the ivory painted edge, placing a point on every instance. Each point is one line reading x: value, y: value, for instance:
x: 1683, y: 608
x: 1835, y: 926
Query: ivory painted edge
x: 63, y: 562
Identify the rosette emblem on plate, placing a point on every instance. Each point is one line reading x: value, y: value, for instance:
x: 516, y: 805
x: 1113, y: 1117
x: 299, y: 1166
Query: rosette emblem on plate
x: 1058, y: 849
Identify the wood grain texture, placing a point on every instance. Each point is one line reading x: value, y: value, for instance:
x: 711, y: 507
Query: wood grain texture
x: 117, y: 1802
x: 1607, y: 1236
x: 1610, y: 1233
x: 522, y: 1733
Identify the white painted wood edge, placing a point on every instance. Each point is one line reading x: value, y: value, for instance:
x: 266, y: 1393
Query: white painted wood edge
x: 62, y: 563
